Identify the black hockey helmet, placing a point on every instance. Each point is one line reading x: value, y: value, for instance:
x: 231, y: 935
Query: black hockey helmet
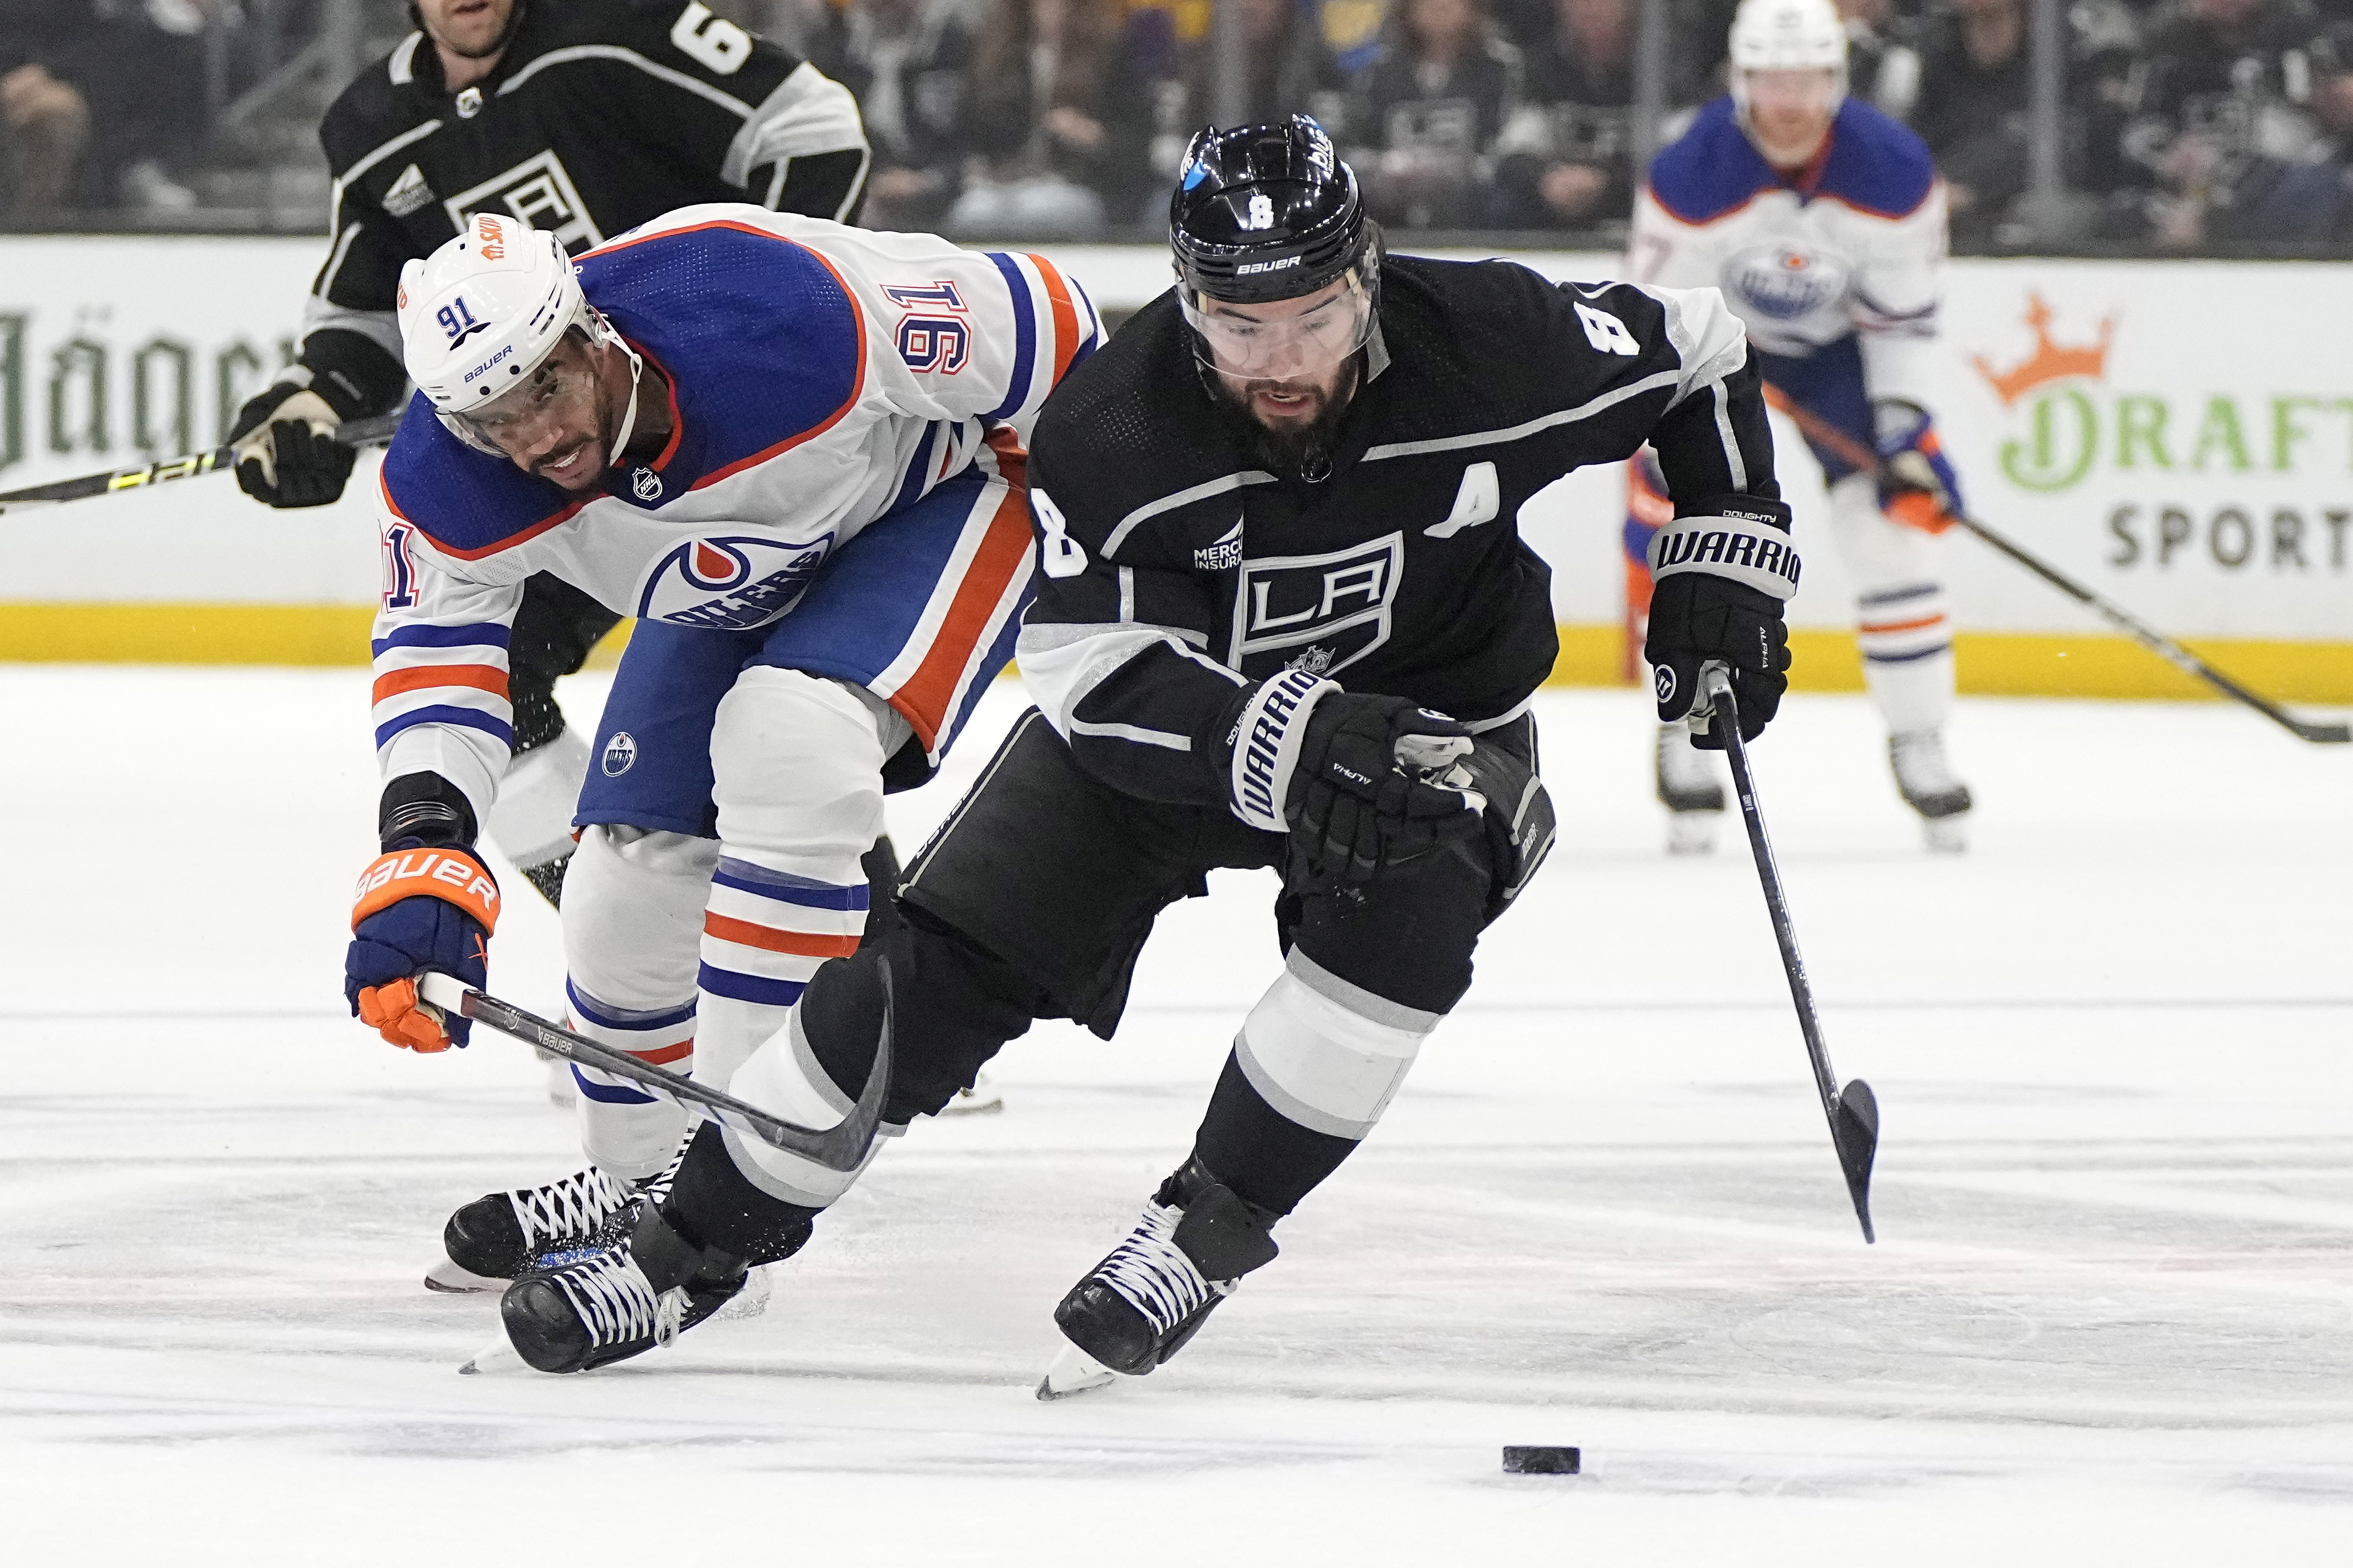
x: 1265, y: 212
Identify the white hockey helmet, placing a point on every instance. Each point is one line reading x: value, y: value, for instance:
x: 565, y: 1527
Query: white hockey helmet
x: 480, y: 313
x: 1786, y: 35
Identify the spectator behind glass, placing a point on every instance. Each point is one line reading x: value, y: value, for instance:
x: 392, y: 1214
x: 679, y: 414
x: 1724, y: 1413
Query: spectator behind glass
x: 2220, y: 94
x: 1291, y: 71
x: 1883, y: 64
x: 2311, y: 200
x: 136, y: 69
x: 44, y: 121
x: 1976, y: 96
x: 1564, y: 155
x: 1060, y: 104
x: 908, y: 63
x: 1433, y: 107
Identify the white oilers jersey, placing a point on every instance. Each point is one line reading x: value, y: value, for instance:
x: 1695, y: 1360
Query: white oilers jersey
x: 820, y: 377
x: 1854, y: 246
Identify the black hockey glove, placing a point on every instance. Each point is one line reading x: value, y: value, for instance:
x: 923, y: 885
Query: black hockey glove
x: 1350, y: 777
x: 287, y: 455
x: 1719, y: 580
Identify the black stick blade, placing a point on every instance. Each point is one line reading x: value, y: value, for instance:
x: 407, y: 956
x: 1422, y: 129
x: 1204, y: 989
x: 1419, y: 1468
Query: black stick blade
x: 1855, y: 1127
x: 2324, y: 734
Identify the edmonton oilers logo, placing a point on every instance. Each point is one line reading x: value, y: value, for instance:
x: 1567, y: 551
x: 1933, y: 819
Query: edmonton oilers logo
x: 620, y: 754
x: 1662, y: 680
x: 714, y: 566
x: 646, y: 485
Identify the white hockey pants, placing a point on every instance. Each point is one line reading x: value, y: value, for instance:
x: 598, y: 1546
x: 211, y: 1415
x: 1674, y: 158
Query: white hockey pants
x: 1900, y: 619
x: 687, y: 952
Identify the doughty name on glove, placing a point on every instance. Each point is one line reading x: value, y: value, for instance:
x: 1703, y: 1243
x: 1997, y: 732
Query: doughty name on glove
x: 1750, y: 549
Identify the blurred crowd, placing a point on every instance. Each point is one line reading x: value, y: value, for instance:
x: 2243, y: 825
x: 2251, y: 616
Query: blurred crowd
x: 2185, y: 124
x: 99, y: 101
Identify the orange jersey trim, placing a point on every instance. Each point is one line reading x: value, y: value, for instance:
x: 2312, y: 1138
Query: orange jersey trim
x: 924, y: 699
x: 487, y: 678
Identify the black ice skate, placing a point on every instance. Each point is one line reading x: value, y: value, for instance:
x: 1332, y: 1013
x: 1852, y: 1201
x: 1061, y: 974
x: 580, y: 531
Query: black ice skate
x: 1690, y: 790
x: 1138, y: 1306
x: 502, y: 1236
x: 644, y: 1292
x: 1929, y: 786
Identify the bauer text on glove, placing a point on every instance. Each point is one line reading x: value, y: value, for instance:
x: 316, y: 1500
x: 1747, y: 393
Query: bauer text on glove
x: 419, y: 907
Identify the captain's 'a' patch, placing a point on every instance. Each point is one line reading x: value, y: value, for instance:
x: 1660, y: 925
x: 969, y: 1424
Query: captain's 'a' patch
x: 1339, y: 602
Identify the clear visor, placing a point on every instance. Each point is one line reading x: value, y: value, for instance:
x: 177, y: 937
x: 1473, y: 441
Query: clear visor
x: 1278, y: 339
x: 506, y: 423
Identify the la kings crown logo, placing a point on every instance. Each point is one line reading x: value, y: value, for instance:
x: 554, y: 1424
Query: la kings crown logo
x: 1336, y: 604
x: 540, y: 192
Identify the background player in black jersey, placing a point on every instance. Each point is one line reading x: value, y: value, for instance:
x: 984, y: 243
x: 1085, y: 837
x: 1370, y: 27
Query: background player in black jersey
x: 1287, y: 622
x: 586, y: 117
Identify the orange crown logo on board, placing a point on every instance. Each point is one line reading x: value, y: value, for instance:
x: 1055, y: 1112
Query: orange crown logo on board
x: 2050, y: 360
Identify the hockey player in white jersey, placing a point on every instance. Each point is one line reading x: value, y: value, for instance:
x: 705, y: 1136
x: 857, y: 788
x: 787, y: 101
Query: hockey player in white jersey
x: 794, y: 452
x: 1824, y: 221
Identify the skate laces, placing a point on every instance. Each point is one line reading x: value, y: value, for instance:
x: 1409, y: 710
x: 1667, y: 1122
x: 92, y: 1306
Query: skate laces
x: 617, y: 1303
x: 569, y: 1209
x: 1152, y: 1274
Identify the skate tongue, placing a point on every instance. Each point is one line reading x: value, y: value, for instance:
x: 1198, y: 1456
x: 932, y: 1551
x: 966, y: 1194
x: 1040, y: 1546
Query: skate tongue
x: 1073, y: 1372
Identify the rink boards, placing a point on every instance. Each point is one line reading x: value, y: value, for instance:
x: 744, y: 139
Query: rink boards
x: 2176, y: 434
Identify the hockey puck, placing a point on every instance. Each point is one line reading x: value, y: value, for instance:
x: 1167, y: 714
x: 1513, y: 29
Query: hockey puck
x: 1541, y: 1461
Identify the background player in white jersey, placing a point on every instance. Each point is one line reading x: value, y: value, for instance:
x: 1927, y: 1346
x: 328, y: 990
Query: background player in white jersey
x: 1824, y: 221
x: 793, y: 451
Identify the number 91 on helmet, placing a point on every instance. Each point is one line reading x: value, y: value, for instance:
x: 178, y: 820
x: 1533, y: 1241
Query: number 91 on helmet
x: 482, y: 314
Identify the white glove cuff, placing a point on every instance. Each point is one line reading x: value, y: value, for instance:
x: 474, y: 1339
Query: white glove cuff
x: 1749, y: 552
x: 1266, y: 746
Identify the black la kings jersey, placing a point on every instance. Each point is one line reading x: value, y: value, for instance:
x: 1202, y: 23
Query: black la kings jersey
x: 1177, y: 570
x: 601, y: 115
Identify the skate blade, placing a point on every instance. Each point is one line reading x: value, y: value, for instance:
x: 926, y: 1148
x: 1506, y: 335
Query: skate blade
x: 974, y: 1102
x: 499, y: 1356
x: 450, y: 1279
x: 1073, y: 1372
x: 749, y: 1302
x: 1945, y: 835
x: 1691, y: 831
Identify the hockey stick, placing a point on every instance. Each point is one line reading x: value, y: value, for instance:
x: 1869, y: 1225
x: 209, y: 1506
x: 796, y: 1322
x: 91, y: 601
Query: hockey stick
x: 841, y: 1149
x: 1854, y: 1112
x: 375, y: 431
x: 1821, y: 431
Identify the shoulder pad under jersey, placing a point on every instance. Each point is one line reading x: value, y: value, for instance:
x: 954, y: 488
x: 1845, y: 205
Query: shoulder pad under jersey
x: 1711, y: 169
x: 762, y: 340
x: 1877, y: 165
x: 468, y: 503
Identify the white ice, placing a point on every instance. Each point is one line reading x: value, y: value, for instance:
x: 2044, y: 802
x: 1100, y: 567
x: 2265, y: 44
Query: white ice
x: 2110, y: 1320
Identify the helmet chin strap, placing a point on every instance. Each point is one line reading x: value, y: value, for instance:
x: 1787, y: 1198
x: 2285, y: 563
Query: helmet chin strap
x: 629, y: 416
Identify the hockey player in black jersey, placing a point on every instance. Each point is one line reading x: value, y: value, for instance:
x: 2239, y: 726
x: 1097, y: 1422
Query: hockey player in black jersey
x: 586, y: 117
x: 1286, y: 621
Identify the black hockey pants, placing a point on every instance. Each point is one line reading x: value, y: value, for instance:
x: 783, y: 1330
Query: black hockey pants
x: 1036, y: 897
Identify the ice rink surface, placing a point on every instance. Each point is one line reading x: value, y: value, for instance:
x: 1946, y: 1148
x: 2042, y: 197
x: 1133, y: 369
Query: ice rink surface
x: 2110, y: 1320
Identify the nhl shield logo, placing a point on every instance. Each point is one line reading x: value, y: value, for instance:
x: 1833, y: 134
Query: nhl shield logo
x: 620, y: 754
x: 646, y: 485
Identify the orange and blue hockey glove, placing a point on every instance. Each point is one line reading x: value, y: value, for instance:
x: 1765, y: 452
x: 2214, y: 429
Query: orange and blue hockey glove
x: 1918, y: 486
x: 417, y: 909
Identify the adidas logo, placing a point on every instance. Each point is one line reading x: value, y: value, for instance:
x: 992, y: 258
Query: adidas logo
x: 408, y: 192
